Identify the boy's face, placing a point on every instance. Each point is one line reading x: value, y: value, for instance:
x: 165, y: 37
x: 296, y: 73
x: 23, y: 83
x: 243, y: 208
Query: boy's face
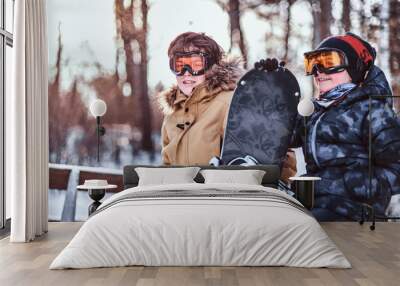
x: 326, y: 82
x: 188, y: 82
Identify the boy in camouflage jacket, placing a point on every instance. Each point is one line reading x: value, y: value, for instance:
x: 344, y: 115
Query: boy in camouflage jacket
x: 338, y: 131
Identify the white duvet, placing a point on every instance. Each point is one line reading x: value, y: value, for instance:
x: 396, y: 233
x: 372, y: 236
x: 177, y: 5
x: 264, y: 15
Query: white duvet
x: 206, y: 230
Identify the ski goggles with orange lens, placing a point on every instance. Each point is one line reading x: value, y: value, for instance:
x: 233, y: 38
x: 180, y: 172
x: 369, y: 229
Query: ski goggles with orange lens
x: 325, y: 61
x: 196, y: 63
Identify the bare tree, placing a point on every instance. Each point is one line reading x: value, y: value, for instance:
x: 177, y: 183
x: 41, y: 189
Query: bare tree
x: 346, y: 21
x: 234, y: 10
x: 270, y: 12
x: 66, y: 110
x: 322, y: 17
x: 56, y: 139
x: 145, y: 106
x: 288, y: 28
x: 132, y: 26
x: 363, y: 18
x: 375, y: 23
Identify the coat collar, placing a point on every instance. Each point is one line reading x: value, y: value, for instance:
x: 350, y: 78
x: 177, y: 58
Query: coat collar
x: 375, y: 84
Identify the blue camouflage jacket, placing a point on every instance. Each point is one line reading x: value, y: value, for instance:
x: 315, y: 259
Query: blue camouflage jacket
x: 336, y: 149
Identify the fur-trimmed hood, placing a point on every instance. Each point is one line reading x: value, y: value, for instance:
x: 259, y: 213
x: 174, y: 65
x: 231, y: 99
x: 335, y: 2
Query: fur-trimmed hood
x: 221, y: 77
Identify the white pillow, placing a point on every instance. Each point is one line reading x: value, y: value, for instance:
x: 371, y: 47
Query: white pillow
x: 163, y: 176
x: 248, y: 177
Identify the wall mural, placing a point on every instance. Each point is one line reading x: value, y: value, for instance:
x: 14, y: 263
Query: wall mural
x: 168, y: 83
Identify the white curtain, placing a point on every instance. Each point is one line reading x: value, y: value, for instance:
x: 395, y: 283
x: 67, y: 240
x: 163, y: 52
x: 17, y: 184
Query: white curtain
x: 27, y: 123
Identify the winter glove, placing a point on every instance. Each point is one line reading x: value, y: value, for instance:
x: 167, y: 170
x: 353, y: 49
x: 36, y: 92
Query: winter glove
x: 269, y: 64
x: 289, y: 166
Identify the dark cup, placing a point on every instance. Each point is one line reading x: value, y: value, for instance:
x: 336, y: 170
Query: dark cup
x: 96, y: 195
x: 303, y: 188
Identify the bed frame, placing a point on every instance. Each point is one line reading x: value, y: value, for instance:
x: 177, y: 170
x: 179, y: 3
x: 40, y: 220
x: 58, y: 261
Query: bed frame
x: 270, y: 179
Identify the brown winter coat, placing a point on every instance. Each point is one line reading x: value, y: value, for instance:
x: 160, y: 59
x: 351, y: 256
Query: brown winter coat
x: 193, y: 127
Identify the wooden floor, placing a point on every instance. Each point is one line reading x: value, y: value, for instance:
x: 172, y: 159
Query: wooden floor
x: 375, y: 256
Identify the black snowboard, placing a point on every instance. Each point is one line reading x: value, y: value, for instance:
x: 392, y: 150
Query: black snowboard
x: 261, y: 117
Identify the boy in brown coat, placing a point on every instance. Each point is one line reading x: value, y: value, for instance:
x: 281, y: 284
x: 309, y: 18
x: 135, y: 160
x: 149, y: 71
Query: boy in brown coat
x: 196, y: 108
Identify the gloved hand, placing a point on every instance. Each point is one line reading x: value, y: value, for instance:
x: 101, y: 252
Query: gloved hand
x: 289, y: 168
x: 269, y: 64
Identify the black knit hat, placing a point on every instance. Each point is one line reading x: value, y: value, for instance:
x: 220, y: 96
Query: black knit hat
x: 360, y: 54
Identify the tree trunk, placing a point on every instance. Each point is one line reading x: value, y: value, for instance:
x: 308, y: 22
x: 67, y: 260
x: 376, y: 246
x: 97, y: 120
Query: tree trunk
x: 325, y: 18
x: 363, y: 26
x: 288, y: 29
x: 383, y: 37
x: 236, y: 33
x: 56, y: 135
x: 346, y: 15
x: 146, y: 113
x: 322, y: 18
x: 394, y: 44
x: 135, y: 47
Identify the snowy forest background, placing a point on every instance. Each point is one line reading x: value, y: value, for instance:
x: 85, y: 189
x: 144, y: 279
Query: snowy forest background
x: 116, y: 50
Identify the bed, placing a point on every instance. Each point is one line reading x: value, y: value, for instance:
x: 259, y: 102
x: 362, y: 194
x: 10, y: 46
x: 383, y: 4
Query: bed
x: 201, y: 224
